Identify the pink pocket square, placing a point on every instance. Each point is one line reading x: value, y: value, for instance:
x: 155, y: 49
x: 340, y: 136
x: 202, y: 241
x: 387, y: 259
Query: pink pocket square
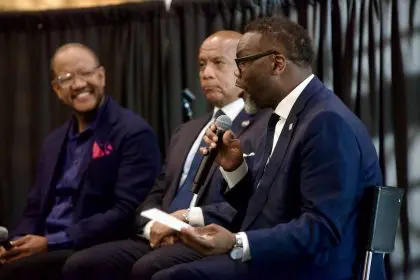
x: 100, y: 150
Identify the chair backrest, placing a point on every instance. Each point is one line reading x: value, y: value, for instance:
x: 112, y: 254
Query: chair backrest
x: 383, y: 205
x: 379, y: 215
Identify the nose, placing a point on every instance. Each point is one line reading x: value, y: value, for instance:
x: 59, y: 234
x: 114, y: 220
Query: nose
x: 78, y: 83
x: 208, y: 72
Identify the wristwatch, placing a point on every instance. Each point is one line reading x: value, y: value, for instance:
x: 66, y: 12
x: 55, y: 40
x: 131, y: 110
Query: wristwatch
x: 238, y: 249
x: 186, y: 215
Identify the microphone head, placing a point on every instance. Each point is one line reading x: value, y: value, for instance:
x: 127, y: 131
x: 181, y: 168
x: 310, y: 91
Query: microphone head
x: 188, y: 94
x: 223, y: 123
x: 4, y: 234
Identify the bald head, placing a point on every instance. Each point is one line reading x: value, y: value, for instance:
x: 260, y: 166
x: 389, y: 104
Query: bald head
x: 73, y: 47
x: 226, y: 39
x: 217, y: 67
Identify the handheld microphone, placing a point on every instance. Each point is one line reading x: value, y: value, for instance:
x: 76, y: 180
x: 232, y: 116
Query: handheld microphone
x: 187, y: 98
x: 188, y: 94
x: 223, y: 123
x: 4, y: 239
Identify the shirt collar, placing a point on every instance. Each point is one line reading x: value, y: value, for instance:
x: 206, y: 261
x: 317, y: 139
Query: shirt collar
x: 231, y: 110
x: 73, y: 131
x: 285, y: 106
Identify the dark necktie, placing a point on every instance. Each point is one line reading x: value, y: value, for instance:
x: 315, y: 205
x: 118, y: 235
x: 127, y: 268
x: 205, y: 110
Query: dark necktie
x: 271, y: 127
x: 184, y: 195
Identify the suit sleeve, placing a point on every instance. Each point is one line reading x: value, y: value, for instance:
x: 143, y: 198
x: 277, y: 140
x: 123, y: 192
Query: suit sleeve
x: 155, y: 197
x: 329, y: 189
x: 31, y: 216
x: 139, y: 166
x: 221, y: 213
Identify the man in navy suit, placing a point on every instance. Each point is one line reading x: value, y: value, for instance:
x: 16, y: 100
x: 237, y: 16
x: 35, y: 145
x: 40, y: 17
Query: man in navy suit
x: 156, y: 250
x: 93, y: 172
x: 300, y: 205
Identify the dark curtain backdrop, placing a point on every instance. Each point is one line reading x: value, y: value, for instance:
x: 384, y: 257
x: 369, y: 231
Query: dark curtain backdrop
x: 367, y: 51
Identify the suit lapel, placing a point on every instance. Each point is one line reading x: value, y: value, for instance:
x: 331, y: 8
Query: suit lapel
x: 101, y: 134
x: 185, y: 144
x: 239, y: 125
x: 55, y: 149
x: 257, y: 201
x: 259, y: 198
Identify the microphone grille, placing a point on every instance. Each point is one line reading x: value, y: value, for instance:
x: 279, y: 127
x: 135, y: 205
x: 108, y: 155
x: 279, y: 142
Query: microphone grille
x: 4, y: 234
x: 224, y: 123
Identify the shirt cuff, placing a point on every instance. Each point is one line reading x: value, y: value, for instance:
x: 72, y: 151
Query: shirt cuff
x: 59, y: 239
x: 147, y: 228
x: 234, y: 177
x: 246, y: 256
x: 196, y: 218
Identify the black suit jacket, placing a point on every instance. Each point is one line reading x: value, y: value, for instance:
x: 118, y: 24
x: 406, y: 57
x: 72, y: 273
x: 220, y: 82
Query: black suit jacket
x: 112, y: 186
x: 249, y: 128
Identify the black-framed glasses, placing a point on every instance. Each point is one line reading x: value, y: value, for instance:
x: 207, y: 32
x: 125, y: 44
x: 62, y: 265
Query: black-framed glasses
x: 66, y: 80
x: 240, y: 60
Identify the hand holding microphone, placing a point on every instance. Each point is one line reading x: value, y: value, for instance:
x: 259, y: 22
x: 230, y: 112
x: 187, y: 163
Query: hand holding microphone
x: 4, y: 239
x: 223, y: 147
x: 5, y: 244
x: 224, y: 143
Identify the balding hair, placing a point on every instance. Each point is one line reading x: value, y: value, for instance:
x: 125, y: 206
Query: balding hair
x: 71, y: 46
x: 228, y: 38
x: 226, y: 34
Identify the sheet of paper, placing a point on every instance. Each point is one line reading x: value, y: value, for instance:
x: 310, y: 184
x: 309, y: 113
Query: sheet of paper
x: 164, y: 218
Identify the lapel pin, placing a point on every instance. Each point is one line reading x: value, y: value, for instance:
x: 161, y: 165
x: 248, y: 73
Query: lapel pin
x: 245, y: 123
x: 290, y: 126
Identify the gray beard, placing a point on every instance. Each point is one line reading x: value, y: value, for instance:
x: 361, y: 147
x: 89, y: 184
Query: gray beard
x: 250, y: 106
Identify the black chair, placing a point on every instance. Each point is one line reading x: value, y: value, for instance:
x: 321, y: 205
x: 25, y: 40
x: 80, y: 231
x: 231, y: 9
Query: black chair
x: 381, y: 209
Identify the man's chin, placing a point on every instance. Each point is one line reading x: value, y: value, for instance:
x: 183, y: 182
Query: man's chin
x: 85, y: 108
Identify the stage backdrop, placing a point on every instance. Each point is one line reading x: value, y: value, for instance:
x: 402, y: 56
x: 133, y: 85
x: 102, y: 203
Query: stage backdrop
x: 367, y: 51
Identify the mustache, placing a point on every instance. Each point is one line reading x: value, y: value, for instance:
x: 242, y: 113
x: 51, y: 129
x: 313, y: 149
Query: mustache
x: 84, y: 89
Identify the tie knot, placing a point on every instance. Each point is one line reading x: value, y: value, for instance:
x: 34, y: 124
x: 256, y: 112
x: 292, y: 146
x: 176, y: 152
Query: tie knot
x: 273, y: 120
x: 218, y: 114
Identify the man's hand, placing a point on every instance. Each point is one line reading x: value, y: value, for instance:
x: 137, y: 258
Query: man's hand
x: 169, y: 240
x: 180, y: 214
x: 158, y: 232
x: 163, y: 235
x: 24, y: 247
x: 208, y: 240
x: 230, y: 155
x: 2, y: 251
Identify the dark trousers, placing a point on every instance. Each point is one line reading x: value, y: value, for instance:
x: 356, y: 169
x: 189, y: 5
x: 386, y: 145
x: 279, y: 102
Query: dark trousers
x: 209, y: 268
x: 42, y: 266
x: 125, y: 259
x: 223, y: 267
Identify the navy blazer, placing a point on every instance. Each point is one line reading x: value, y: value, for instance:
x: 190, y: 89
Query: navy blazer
x: 112, y: 186
x: 301, y: 221
x: 249, y: 128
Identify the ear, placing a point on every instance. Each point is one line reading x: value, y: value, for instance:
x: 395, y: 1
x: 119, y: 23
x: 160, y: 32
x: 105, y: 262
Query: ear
x: 56, y: 88
x: 279, y: 64
x: 101, y: 72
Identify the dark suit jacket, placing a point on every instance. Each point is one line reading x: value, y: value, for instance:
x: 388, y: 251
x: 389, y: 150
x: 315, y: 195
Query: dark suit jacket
x: 249, y: 128
x: 301, y: 221
x: 112, y: 186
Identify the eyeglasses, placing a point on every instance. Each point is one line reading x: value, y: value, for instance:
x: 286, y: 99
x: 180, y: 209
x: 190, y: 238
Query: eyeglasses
x: 241, y: 60
x: 66, y: 80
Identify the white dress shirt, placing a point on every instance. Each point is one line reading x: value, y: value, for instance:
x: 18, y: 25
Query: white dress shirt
x: 196, y: 217
x: 283, y: 110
